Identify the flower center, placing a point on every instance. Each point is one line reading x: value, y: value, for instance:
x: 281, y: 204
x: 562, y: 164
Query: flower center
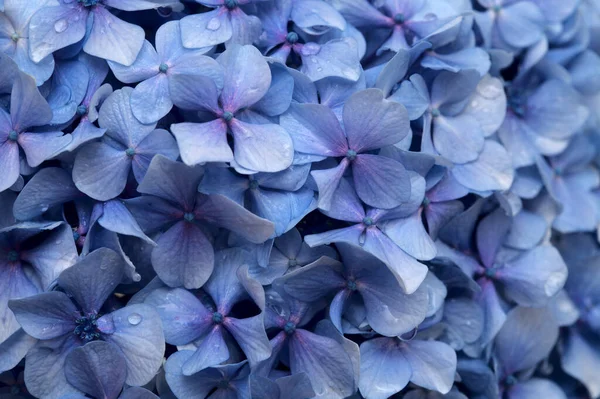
x: 491, y: 272
x: 231, y: 4
x: 76, y: 236
x: 13, y: 135
x: 497, y: 8
x: 223, y: 384
x: 130, y: 152
x: 189, y: 216
x: 163, y: 68
x: 15, y: 37
x: 253, y: 184
x: 82, y: 110
x: 435, y: 112
x: 351, y: 284
x: 292, y: 263
x: 227, y: 116
x: 510, y: 380
x: 87, y: 328
x: 292, y: 37
x: 289, y: 328
x: 12, y: 256
x: 399, y: 18
x: 217, y: 318
x: 351, y: 155
x: 426, y: 202
x: 368, y: 221
x: 88, y: 3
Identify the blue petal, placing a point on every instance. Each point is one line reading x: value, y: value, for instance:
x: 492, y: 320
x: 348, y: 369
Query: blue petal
x: 384, y: 369
x: 97, y: 368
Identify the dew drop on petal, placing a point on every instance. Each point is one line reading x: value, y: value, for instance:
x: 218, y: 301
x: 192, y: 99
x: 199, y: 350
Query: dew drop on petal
x: 61, y: 25
x: 134, y: 319
x: 213, y: 24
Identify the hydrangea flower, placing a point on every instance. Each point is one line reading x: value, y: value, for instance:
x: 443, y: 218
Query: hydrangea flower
x: 68, y: 319
x: 325, y: 361
x: 207, y: 322
x: 14, y: 39
x: 399, y: 24
x: 370, y: 122
x: 154, y: 68
x: 184, y: 254
x: 32, y: 255
x: 280, y: 197
x: 101, y: 169
x: 225, y: 380
x: 388, y: 310
x: 258, y: 144
x: 61, y: 23
x: 320, y: 59
x: 28, y: 109
x: 373, y: 229
x: 226, y: 23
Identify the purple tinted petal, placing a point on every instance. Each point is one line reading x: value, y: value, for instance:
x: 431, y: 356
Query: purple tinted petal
x: 527, y: 336
x: 183, y: 316
x: 184, y: 256
x: 44, y: 367
x: 45, y: 316
x: 315, y: 17
x: 194, y: 92
x: 414, y: 95
x: 277, y: 100
x: 158, y: 142
x: 97, y: 369
x: 116, y: 217
x: 116, y: 117
x: 328, y: 181
x: 580, y: 360
x: 380, y: 182
x: 247, y: 77
x: 25, y: 99
x: 521, y: 24
x: 137, y: 331
x: 410, y: 235
x: 113, y: 39
x: 469, y: 58
x: 491, y: 171
x: 337, y: 57
x: 92, y: 280
x: 84, y: 132
x: 439, y: 214
x: 314, y: 130
x: 47, y: 188
x: 488, y: 104
x: 196, y: 386
x: 409, y: 272
x: 315, y: 281
x: 223, y: 212
x: 101, y: 171
x: 53, y: 28
x: 451, y: 90
x: 152, y: 213
x: 173, y: 181
x: 371, y: 122
x: 210, y: 352
x: 203, y: 142
x: 384, y: 370
x: 535, y: 388
x: 250, y: 335
x: 264, y: 148
x: 361, y: 14
x: 14, y: 348
x: 39, y: 147
x: 327, y: 365
x: 9, y: 163
x: 433, y: 364
x: 206, y: 29
x: 145, y: 66
x: 459, y: 139
x: 245, y: 29
x: 535, y: 277
x: 151, y: 99
x: 351, y: 235
x: 491, y: 233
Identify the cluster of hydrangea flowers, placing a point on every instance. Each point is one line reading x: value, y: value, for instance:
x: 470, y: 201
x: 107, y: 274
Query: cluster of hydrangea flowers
x: 292, y: 199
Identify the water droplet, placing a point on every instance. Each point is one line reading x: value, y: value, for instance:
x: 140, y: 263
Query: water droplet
x: 103, y: 266
x: 134, y: 319
x: 319, y: 69
x: 213, y: 24
x: 310, y: 49
x: 61, y: 25
x: 137, y: 278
